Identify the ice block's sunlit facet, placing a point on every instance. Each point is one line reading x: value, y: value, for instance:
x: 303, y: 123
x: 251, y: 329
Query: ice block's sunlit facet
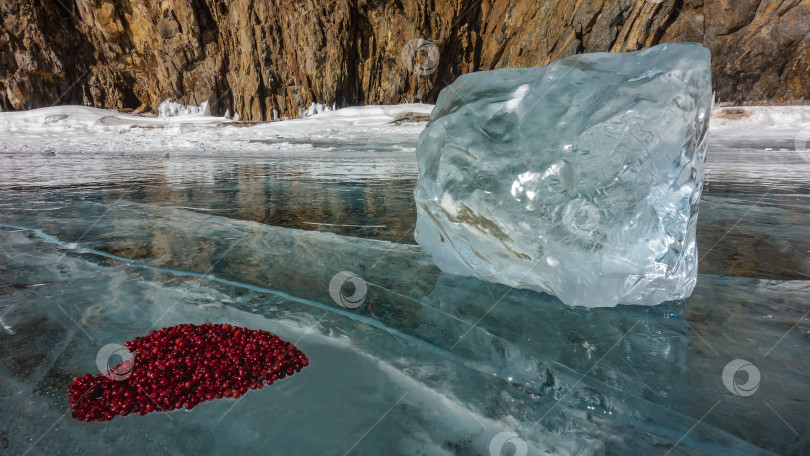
x: 580, y: 178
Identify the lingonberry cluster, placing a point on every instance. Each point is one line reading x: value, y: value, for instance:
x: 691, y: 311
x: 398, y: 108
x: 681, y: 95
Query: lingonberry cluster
x: 185, y: 365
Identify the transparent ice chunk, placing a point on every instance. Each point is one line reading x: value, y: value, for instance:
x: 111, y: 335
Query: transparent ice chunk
x: 580, y: 178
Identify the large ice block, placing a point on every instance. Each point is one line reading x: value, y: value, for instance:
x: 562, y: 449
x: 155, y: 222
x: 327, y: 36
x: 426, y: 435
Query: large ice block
x: 580, y: 178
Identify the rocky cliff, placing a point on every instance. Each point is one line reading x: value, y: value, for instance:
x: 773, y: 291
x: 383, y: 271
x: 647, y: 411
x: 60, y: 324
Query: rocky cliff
x: 257, y: 57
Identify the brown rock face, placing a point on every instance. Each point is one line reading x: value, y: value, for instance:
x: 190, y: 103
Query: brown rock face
x: 255, y: 57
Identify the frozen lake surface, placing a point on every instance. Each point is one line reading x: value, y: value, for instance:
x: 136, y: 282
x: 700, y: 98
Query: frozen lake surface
x: 113, y: 225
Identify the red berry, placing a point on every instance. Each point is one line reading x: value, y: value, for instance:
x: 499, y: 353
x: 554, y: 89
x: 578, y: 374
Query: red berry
x: 186, y: 365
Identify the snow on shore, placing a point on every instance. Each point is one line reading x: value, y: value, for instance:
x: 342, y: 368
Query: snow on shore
x: 761, y: 118
x: 78, y: 128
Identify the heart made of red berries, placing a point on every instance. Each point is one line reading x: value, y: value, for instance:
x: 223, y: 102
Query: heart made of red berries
x: 185, y: 365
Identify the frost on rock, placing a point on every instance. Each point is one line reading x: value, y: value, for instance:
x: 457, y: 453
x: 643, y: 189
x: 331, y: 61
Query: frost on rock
x: 170, y: 108
x: 580, y: 178
x: 314, y: 108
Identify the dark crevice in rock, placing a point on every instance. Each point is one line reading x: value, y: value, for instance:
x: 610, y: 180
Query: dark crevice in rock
x: 674, y: 14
